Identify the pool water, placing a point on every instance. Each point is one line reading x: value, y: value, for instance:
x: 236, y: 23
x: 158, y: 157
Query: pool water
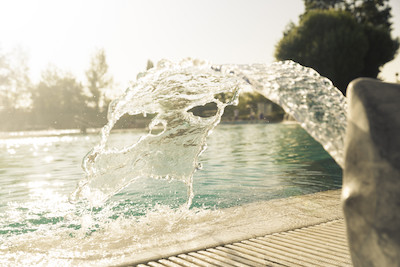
x: 247, y: 163
x: 242, y: 164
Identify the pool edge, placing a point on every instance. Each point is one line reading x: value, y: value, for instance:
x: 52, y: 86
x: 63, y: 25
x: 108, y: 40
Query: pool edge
x: 273, y: 216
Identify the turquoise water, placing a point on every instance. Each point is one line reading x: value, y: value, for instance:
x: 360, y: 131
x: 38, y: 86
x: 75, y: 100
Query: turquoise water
x: 242, y: 164
x: 248, y: 163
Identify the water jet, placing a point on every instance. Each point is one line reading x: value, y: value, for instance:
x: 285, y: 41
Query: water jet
x: 102, y: 213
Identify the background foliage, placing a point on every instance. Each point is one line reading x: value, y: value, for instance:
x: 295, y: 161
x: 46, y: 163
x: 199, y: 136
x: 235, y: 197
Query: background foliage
x: 60, y: 101
x: 57, y: 101
x: 341, y: 39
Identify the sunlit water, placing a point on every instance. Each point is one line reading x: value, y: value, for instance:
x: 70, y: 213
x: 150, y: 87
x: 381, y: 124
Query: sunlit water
x: 243, y: 164
x: 170, y: 91
x: 143, y: 190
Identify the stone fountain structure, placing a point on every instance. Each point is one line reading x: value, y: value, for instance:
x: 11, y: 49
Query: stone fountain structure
x: 371, y: 174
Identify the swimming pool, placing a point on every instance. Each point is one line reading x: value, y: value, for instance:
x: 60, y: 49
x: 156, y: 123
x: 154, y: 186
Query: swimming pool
x: 243, y: 164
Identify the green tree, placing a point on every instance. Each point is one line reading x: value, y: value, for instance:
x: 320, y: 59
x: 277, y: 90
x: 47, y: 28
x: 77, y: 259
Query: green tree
x: 14, y: 80
x: 98, y: 80
x: 15, y: 86
x: 341, y: 39
x: 4, y: 82
x: 331, y: 42
x: 375, y: 17
x: 149, y: 65
x: 374, y: 12
x: 381, y: 49
x: 322, y: 4
x: 58, y: 99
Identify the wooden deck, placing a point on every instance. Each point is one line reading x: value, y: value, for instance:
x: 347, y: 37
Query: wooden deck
x: 323, y: 244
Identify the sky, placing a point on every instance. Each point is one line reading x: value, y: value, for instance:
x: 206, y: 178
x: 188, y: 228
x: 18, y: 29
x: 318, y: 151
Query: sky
x: 67, y: 33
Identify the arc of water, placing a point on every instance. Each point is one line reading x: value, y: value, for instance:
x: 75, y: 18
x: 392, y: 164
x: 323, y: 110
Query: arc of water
x: 311, y: 99
x: 171, y: 89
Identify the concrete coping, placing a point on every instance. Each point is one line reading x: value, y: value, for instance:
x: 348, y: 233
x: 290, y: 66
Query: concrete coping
x: 250, y: 221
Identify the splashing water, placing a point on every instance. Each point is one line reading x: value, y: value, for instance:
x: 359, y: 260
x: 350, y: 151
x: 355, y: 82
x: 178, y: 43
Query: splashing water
x: 171, y: 89
x: 311, y: 99
x: 47, y: 230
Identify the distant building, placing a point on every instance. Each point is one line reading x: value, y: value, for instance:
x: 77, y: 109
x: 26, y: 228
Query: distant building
x: 264, y: 110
